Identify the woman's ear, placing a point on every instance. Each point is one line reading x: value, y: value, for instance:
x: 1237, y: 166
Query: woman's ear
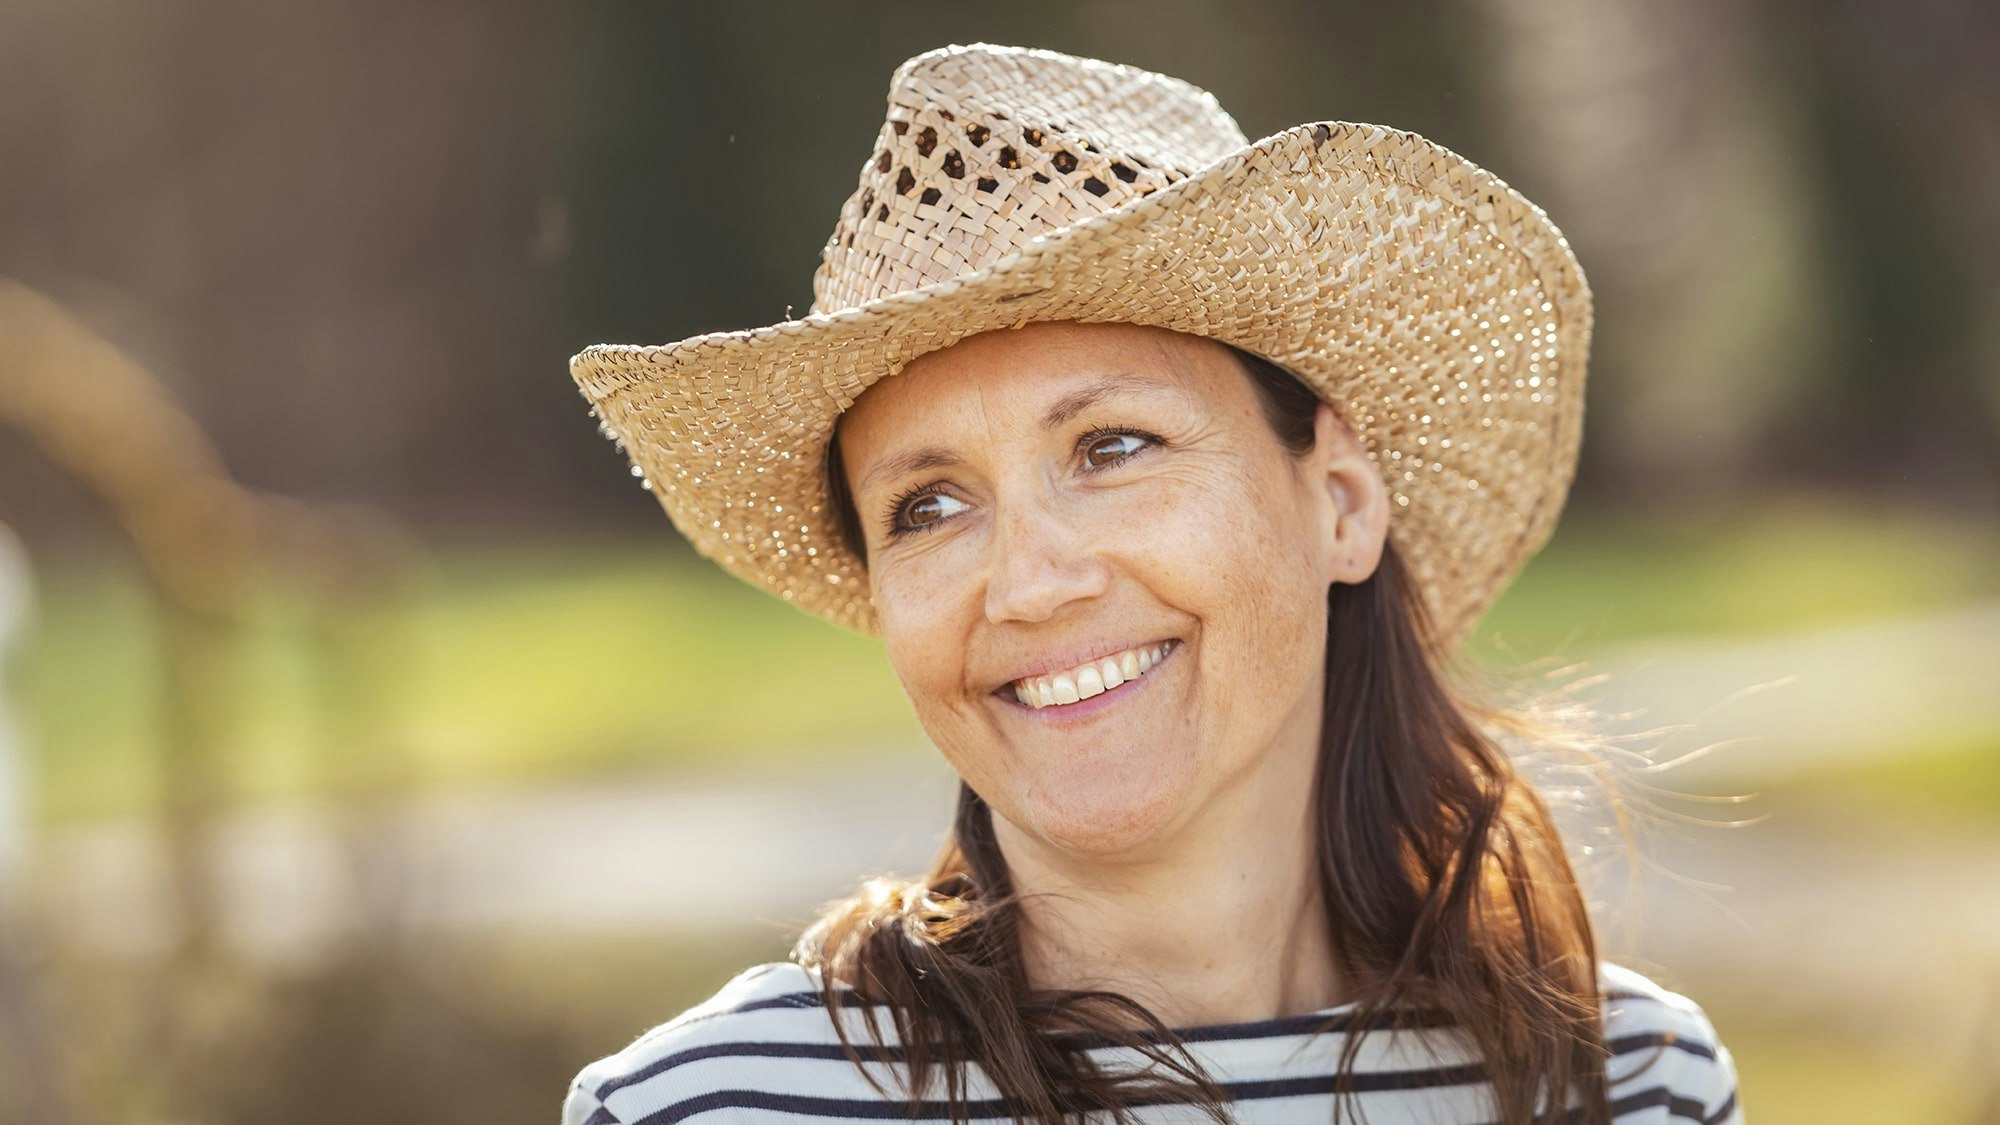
x: 1356, y: 500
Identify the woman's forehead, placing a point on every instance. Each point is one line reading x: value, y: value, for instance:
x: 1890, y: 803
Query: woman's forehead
x: 1022, y: 374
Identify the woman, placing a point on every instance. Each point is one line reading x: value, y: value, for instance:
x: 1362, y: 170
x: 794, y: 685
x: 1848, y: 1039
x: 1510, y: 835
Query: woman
x: 1199, y: 459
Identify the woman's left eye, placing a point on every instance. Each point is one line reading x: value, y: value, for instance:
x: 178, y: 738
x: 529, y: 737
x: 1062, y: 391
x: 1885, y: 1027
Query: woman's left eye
x: 1109, y: 449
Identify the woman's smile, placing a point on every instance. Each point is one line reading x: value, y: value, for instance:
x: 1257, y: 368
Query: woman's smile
x: 1088, y: 688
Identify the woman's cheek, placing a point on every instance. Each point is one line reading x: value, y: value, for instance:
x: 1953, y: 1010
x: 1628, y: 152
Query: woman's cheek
x: 917, y: 590
x: 917, y: 627
x: 1184, y: 535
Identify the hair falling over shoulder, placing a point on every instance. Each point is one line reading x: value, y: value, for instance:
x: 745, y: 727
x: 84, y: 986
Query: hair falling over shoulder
x: 1447, y: 890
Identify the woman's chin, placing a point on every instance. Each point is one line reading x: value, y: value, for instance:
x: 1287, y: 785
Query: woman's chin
x: 1103, y: 820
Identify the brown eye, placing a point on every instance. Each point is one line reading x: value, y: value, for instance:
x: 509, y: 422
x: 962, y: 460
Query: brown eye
x: 925, y: 509
x: 1111, y: 449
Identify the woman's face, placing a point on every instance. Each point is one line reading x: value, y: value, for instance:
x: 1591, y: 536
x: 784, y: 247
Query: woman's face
x: 1059, y: 508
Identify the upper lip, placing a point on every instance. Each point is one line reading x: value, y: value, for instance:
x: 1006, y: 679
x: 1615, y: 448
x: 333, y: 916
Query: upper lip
x: 1065, y: 657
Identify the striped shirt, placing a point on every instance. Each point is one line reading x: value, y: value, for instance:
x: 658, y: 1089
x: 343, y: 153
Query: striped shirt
x: 763, y: 1050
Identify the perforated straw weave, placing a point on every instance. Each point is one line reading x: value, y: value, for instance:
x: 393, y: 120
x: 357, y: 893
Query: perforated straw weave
x: 1442, y: 314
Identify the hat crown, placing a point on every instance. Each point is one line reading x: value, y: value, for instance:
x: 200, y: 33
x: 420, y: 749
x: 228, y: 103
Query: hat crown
x: 985, y: 148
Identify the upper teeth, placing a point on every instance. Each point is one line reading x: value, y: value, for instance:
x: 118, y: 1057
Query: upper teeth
x: 1086, y: 680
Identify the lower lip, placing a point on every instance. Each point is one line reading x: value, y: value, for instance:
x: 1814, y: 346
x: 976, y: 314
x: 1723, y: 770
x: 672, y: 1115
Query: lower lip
x: 1096, y: 704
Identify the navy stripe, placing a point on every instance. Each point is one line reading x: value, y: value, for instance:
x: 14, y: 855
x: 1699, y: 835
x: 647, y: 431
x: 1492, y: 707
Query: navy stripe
x: 1247, y: 1090
x: 1263, y: 1029
x: 872, y: 1052
x: 1658, y: 1096
x: 1377, y: 1082
x: 812, y: 999
x: 1626, y: 1044
x: 1281, y: 1025
x: 1266, y: 1029
x: 1722, y: 1111
x: 782, y: 1000
x: 1274, y: 1028
x: 847, y: 1109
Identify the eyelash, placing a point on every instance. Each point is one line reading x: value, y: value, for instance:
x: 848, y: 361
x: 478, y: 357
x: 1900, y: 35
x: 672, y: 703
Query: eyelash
x: 1083, y: 443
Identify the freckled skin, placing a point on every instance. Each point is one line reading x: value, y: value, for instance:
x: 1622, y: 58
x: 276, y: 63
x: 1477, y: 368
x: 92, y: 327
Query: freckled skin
x: 1216, y: 535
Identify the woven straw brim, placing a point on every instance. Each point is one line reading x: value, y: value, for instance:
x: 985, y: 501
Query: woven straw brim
x: 1438, y: 310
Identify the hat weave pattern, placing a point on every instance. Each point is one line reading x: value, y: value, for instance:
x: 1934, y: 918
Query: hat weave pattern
x: 1441, y: 313
x: 983, y: 151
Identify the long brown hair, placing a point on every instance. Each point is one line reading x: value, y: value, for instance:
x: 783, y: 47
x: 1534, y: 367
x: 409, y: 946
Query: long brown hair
x: 1450, y: 900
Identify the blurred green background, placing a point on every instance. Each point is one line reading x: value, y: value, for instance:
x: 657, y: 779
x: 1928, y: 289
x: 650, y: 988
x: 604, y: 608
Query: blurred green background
x: 371, y: 747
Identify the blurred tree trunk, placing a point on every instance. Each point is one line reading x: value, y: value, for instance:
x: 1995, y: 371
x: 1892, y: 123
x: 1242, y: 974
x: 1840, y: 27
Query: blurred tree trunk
x: 1668, y: 153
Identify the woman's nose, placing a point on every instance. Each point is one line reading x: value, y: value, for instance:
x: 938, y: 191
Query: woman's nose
x: 1038, y: 561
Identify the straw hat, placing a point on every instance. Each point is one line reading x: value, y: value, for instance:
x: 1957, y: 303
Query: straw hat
x: 1442, y: 314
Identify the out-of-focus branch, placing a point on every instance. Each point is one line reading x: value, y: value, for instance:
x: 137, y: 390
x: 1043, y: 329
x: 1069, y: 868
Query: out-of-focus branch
x: 206, y: 543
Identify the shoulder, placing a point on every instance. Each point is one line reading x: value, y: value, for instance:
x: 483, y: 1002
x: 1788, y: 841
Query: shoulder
x: 1667, y: 1062
x: 755, y: 1034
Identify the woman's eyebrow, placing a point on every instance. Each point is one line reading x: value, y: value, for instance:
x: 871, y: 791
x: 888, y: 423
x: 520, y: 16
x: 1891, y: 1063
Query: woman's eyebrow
x: 1059, y: 411
x: 915, y: 461
x: 1078, y: 401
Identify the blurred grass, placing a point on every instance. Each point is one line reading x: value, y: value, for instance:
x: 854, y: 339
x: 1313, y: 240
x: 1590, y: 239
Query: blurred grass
x: 1791, y: 1074
x: 1777, y: 564
x: 1952, y: 785
x: 1817, y: 1083
x: 514, y: 663
x: 500, y: 664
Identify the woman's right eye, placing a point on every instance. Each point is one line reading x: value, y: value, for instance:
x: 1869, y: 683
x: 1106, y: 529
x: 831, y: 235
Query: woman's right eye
x: 926, y: 511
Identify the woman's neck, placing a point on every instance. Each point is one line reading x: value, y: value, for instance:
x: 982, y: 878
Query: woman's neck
x: 1223, y: 924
